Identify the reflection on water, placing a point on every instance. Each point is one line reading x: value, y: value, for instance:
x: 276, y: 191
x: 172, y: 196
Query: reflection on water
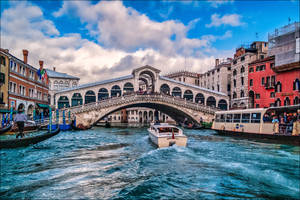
x: 121, y: 163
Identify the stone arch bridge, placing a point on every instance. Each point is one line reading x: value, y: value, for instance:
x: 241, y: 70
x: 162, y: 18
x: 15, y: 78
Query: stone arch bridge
x: 143, y: 88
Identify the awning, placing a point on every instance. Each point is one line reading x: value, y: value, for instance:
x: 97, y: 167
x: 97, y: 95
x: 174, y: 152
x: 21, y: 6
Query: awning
x: 43, y: 105
x: 6, y: 111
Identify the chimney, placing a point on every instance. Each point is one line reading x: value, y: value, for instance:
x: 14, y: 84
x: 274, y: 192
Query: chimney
x: 41, y: 64
x: 217, y: 62
x: 54, y: 68
x: 25, y: 54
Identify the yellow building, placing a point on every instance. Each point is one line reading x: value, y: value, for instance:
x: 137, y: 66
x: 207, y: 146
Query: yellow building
x: 4, y: 76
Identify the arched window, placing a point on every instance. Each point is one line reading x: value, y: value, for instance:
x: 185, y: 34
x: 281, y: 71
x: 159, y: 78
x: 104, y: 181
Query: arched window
x: 278, y: 87
x: 115, y: 91
x: 128, y: 88
x: 296, y: 85
x: 242, y: 93
x: 296, y: 100
x: 56, y: 86
x: 102, y: 94
x: 165, y: 89
x: 67, y: 84
x: 287, y: 101
x: 63, y: 102
x: 234, y: 95
x: 222, y: 104
x: 211, y: 101
x: 234, y: 72
x: 61, y: 84
x: 242, y: 69
x: 76, y: 99
x: 176, y: 92
x: 188, y: 95
x: 74, y: 84
x: 199, y: 98
x: 89, y: 97
x: 277, y: 103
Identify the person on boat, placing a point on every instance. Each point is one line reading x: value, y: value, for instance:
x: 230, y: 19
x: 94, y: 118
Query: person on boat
x: 266, y: 118
x: 20, y: 119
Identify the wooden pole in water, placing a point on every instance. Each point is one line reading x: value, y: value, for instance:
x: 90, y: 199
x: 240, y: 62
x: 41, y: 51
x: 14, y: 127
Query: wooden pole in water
x: 50, y: 119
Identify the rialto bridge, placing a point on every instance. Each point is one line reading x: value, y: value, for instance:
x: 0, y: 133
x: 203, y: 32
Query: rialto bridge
x: 143, y: 88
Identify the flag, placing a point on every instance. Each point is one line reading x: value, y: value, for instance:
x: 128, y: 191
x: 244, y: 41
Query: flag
x: 39, y: 73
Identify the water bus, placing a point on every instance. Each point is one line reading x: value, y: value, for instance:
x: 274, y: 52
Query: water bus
x: 257, y: 123
x: 165, y: 135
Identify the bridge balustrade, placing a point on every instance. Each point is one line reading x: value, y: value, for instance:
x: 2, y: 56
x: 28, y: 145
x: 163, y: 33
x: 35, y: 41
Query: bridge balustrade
x: 115, y: 101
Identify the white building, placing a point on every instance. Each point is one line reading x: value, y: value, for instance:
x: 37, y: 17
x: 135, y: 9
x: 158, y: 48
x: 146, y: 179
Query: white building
x: 59, y: 81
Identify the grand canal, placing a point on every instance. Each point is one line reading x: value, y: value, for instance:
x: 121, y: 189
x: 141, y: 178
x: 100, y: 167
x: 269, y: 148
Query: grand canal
x: 121, y: 163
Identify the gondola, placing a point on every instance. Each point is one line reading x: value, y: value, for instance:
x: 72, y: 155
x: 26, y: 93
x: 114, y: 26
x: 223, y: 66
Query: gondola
x: 74, y: 127
x: 26, y: 141
x: 5, y: 129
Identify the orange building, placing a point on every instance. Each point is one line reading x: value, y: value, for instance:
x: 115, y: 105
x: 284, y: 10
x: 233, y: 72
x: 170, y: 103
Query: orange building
x: 26, y: 89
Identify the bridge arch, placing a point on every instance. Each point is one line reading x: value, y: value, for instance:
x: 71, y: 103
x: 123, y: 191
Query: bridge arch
x: 102, y: 94
x: 176, y: 92
x: 76, y: 99
x: 199, y: 98
x: 222, y: 104
x: 165, y: 89
x: 150, y: 77
x: 63, y: 102
x: 188, y: 95
x: 211, y: 101
x: 128, y: 88
x: 115, y: 91
x: 89, y: 97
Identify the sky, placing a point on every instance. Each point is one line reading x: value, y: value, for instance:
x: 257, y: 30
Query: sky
x: 99, y: 40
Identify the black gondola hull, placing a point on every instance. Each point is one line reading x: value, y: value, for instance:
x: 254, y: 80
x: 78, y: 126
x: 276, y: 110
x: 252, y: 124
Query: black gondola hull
x: 5, y: 129
x: 23, y: 142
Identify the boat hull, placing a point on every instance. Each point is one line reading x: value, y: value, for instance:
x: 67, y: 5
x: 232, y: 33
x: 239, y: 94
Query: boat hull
x: 26, y: 141
x: 167, y: 141
x: 5, y: 129
x: 277, y: 138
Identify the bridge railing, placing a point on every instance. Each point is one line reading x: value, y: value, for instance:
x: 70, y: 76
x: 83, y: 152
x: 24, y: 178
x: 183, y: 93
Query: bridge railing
x: 142, y: 97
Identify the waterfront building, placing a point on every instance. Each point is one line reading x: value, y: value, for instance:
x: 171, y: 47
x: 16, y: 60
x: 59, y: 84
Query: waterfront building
x: 4, y: 71
x: 218, y: 78
x: 285, y: 46
x: 185, y: 76
x: 59, y: 81
x: 26, y: 89
x: 239, y: 71
x: 261, y: 83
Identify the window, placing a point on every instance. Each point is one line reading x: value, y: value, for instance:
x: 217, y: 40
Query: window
x: 3, y: 60
x: 246, y: 118
x: 12, y: 87
x: 296, y: 101
x: 218, y: 70
x: 234, y: 82
x: 234, y: 72
x: 268, y: 81
x: 257, y: 96
x: 242, y: 80
x: 273, y: 81
x: 228, y: 87
x: 222, y: 118
x: 234, y: 95
x: 229, y: 118
x: 262, y: 56
x: 296, y: 85
x: 278, y: 87
x: 242, y: 58
x: 278, y: 102
x: 183, y: 79
x: 228, y: 68
x: 272, y: 65
x: 263, y: 81
x: 237, y: 118
x: 251, y: 69
x: 287, y: 101
x: 272, y: 94
x: 257, y: 106
x: 257, y: 68
x: 234, y: 62
x: 180, y: 79
x: 56, y: 85
x: 218, y: 86
x: 251, y: 82
x: 242, y: 93
x: 242, y: 69
x: 255, y: 117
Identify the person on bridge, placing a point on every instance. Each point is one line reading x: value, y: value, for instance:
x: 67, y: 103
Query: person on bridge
x: 20, y: 119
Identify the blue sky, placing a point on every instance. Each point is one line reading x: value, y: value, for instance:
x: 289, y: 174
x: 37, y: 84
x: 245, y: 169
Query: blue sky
x: 102, y: 39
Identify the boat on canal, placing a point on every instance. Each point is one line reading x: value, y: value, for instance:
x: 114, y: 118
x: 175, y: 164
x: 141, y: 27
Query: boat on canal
x: 27, y: 140
x: 165, y: 135
x: 257, y: 123
x: 29, y: 126
x: 6, y: 128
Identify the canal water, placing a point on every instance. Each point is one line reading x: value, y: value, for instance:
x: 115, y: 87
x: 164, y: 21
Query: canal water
x: 121, y: 163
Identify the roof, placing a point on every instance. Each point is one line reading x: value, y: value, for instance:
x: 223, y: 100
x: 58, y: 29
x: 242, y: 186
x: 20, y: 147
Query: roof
x: 146, y: 67
x: 96, y: 83
x: 55, y: 74
x: 193, y: 86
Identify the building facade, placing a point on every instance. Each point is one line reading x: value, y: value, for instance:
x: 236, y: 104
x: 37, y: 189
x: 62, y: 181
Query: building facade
x: 59, y: 81
x: 285, y: 46
x: 218, y: 78
x: 185, y: 76
x: 26, y: 89
x: 239, y: 72
x: 261, y: 83
x: 4, y: 82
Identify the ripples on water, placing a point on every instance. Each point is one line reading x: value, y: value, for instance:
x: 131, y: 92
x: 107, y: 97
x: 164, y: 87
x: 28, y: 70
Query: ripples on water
x: 123, y: 164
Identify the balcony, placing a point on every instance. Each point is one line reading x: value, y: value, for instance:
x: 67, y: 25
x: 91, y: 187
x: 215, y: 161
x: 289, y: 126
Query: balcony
x: 270, y: 85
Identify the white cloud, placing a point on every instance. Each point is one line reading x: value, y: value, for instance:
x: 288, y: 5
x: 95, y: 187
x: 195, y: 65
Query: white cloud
x: 217, y: 3
x: 232, y: 20
x: 25, y: 27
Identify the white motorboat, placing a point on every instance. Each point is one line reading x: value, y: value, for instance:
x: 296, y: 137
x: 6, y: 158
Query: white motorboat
x: 165, y: 135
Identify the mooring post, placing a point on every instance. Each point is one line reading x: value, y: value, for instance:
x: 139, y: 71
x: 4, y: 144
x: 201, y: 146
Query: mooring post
x: 50, y: 119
